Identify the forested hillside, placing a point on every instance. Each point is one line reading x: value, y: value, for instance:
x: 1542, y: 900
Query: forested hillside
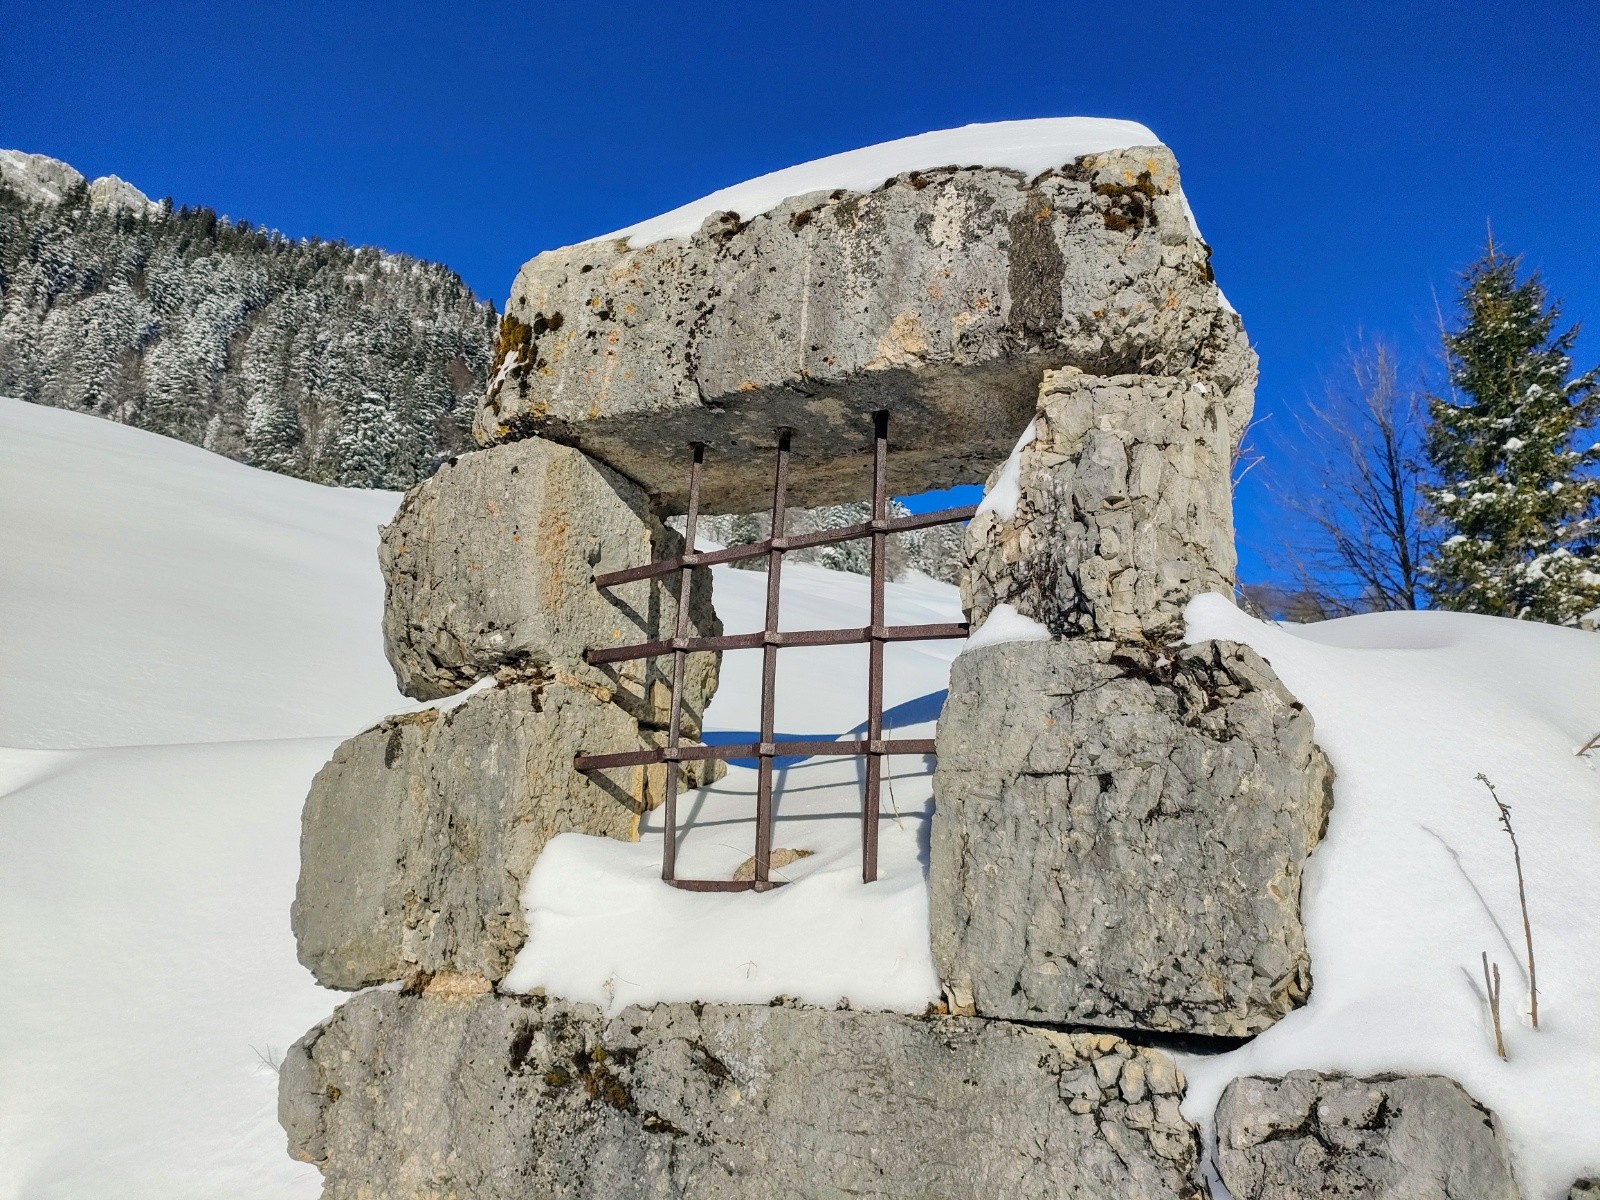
x: 345, y: 365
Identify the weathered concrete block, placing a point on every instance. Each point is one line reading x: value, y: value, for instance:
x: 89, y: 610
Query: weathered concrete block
x: 491, y: 563
x: 1123, y: 510
x: 1118, y: 837
x: 1308, y: 1136
x: 398, y: 1095
x: 941, y: 296
x: 419, y: 834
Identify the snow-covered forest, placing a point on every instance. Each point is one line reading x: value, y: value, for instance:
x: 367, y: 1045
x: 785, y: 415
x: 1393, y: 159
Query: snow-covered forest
x: 339, y: 364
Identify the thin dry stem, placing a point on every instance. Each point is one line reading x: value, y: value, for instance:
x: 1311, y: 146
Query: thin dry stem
x: 1491, y: 985
x: 1588, y: 746
x: 1522, y: 897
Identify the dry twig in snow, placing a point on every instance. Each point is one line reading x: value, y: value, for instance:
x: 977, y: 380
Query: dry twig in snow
x: 1522, y: 897
x: 1491, y: 986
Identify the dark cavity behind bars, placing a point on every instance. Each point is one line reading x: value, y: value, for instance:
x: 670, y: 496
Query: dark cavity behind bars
x: 874, y: 747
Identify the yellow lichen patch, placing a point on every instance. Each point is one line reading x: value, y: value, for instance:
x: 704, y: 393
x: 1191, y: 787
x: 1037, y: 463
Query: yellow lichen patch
x: 515, y: 338
x: 903, y: 343
x: 456, y: 985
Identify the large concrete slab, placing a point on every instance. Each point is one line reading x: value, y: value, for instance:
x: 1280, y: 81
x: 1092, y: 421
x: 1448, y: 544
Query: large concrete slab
x: 942, y: 296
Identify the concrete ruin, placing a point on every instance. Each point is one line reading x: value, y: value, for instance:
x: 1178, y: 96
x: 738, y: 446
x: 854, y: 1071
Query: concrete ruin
x: 970, y: 303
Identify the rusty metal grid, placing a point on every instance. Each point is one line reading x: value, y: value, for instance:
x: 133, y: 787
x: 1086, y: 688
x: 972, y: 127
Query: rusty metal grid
x: 874, y: 747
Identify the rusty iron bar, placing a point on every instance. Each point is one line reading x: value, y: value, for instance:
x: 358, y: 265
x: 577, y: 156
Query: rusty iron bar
x: 769, y: 669
x: 798, y: 541
x: 680, y: 656
x: 874, y: 762
x: 874, y: 748
x: 782, y: 639
x: 809, y: 747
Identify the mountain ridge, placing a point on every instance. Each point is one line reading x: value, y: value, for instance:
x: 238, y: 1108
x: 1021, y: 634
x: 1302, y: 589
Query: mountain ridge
x: 344, y: 365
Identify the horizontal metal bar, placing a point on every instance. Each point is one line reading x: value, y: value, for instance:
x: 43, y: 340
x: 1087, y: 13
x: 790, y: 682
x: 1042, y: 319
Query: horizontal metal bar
x: 657, y: 754
x: 945, y: 516
x: 799, y: 541
x: 727, y: 885
x: 782, y: 638
x: 661, y: 646
x: 818, y: 747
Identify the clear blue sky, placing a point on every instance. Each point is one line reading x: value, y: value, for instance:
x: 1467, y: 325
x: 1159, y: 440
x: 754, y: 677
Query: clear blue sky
x: 1342, y: 158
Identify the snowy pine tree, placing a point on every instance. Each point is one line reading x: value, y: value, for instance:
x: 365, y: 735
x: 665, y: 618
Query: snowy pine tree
x: 365, y: 444
x: 1516, y: 457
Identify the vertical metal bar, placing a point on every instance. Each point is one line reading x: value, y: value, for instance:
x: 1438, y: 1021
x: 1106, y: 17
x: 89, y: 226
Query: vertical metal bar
x: 669, y: 840
x: 769, y: 670
x: 874, y: 760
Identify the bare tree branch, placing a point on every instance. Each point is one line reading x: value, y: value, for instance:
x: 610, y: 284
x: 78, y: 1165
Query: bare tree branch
x: 1358, y: 534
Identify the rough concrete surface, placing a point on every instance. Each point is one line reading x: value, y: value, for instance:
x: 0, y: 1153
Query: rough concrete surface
x: 497, y: 1096
x: 1118, y: 836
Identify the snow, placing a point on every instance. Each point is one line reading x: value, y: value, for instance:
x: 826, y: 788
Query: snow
x: 1415, y: 878
x: 1029, y: 147
x: 1006, y: 624
x: 186, y: 640
x: 605, y: 928
x: 1001, y: 499
x: 156, y: 593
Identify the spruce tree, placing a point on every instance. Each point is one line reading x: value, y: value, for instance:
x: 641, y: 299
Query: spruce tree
x: 1515, y: 456
x: 362, y: 453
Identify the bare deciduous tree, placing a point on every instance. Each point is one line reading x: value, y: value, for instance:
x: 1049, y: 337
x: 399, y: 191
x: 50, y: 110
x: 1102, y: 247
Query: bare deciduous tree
x: 1353, y: 481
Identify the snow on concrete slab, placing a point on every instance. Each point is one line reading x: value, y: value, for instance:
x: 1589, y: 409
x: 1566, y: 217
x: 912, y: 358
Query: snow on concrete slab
x: 1029, y: 147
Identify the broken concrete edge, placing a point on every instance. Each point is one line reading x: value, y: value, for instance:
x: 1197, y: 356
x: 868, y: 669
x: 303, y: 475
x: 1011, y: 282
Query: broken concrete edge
x: 491, y: 564
x: 1338, y: 1133
x: 1112, y: 513
x: 1009, y: 945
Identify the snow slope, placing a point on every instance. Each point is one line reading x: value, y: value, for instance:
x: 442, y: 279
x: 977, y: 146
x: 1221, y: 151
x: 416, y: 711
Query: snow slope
x: 1027, y: 146
x: 154, y: 592
x: 1415, y: 877
x: 184, y: 640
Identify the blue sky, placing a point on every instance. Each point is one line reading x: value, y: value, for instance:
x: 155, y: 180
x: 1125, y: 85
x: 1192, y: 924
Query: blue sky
x: 1342, y: 158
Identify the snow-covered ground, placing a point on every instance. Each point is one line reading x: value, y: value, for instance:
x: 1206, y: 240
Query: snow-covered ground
x: 183, y: 641
x: 1415, y: 878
